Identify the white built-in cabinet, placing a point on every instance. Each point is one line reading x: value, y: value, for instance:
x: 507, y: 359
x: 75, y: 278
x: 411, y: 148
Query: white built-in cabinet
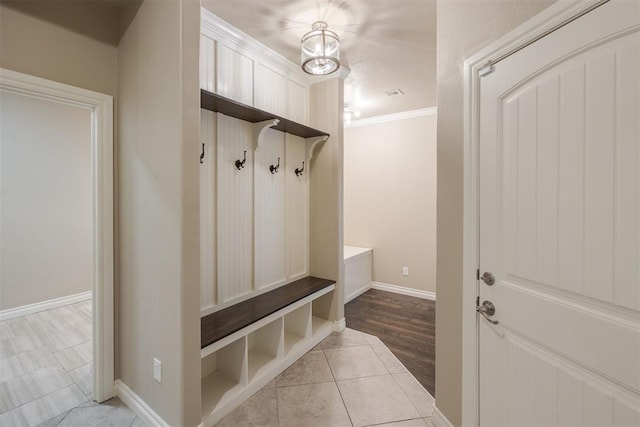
x: 255, y: 223
x: 254, y: 214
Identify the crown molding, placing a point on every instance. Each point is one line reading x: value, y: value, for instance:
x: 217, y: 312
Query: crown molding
x: 393, y: 117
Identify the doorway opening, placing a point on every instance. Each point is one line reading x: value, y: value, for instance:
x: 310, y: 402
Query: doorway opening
x: 56, y: 244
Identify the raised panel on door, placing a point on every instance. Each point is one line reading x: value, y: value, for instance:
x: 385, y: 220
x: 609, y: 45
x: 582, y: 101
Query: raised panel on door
x: 560, y: 226
x: 270, y: 90
x: 298, y: 102
x: 297, y: 205
x: 208, y: 261
x: 235, y: 75
x: 234, y: 209
x: 207, y: 63
x: 269, y: 219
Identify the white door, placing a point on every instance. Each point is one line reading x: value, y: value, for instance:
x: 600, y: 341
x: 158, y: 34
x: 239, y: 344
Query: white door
x: 560, y: 227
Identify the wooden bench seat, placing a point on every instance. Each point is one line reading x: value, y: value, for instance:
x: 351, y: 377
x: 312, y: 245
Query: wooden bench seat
x: 220, y: 324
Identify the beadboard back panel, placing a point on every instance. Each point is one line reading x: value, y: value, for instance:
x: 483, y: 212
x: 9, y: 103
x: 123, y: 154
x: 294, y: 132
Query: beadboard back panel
x: 208, y: 259
x: 235, y: 75
x: 298, y: 103
x: 297, y: 208
x: 234, y: 209
x: 269, y: 216
x: 270, y: 90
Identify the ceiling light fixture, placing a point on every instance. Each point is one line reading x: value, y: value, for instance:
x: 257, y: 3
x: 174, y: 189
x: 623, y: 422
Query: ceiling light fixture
x: 320, y: 50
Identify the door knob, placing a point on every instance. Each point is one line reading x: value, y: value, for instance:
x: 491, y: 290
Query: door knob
x: 487, y: 309
x: 488, y: 278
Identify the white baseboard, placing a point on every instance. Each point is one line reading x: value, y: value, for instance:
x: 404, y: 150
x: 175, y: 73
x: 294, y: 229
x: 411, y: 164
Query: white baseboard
x: 439, y: 420
x: 404, y: 291
x: 138, y: 406
x: 10, y: 313
x: 339, y: 325
x: 357, y: 293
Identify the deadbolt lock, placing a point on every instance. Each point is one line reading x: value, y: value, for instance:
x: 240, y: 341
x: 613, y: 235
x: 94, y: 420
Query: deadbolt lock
x: 488, y: 278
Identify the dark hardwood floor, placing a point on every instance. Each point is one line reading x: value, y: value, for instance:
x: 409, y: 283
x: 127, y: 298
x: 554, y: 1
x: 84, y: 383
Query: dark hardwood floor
x: 406, y: 325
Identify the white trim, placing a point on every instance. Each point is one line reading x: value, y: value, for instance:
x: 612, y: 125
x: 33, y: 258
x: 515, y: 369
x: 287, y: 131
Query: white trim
x: 23, y: 310
x: 431, y: 296
x: 550, y: 19
x: 439, y: 420
x: 357, y: 293
x: 393, y: 117
x: 339, y: 325
x: 138, y: 406
x: 101, y: 107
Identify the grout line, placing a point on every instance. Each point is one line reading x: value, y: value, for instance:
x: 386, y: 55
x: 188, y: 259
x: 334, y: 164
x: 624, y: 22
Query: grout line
x: 65, y: 416
x: 344, y: 404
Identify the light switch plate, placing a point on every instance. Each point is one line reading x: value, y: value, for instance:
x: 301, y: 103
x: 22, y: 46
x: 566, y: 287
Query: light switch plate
x: 405, y: 271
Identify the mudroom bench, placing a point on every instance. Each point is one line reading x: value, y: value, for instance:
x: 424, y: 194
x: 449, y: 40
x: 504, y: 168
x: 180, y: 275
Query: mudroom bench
x: 246, y: 345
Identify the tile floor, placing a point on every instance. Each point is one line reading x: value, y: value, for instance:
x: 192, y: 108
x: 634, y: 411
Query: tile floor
x: 45, y: 371
x: 350, y: 379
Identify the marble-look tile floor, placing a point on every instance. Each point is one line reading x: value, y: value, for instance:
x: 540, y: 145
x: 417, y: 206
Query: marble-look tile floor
x: 350, y: 379
x: 45, y: 371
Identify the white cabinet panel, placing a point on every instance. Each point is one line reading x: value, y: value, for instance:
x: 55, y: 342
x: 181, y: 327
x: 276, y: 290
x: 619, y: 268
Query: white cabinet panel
x: 234, y: 208
x: 207, y: 211
x: 235, y: 75
x: 270, y: 91
x: 298, y: 103
x: 297, y: 205
x: 269, y: 218
x: 207, y: 63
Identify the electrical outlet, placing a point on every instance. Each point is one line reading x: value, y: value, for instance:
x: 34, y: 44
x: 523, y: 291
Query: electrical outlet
x: 405, y: 271
x: 157, y: 370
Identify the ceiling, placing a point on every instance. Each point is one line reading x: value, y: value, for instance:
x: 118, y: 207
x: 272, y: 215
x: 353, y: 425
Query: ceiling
x: 387, y: 44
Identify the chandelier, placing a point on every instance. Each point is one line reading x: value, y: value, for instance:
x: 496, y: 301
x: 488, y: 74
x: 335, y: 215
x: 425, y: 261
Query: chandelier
x: 320, y: 50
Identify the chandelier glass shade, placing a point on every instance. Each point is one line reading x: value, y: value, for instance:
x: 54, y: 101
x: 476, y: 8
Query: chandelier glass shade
x: 320, y: 50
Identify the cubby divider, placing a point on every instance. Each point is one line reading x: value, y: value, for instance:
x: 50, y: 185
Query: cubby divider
x: 297, y: 327
x: 265, y: 348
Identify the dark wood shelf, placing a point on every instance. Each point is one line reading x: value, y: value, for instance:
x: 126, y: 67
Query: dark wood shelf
x: 219, y: 104
x: 222, y: 323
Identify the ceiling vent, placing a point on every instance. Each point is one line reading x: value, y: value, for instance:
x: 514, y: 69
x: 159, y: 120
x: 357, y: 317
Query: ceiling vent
x: 393, y: 92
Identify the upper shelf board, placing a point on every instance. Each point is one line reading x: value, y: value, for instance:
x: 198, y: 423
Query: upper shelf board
x: 220, y: 104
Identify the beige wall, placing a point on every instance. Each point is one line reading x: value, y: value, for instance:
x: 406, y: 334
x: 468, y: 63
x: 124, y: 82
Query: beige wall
x: 37, y: 47
x: 390, y: 198
x: 464, y: 27
x: 158, y: 210
x: 46, y: 229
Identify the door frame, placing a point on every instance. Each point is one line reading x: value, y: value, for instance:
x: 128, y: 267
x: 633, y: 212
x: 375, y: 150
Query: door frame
x: 547, y: 21
x: 101, y: 107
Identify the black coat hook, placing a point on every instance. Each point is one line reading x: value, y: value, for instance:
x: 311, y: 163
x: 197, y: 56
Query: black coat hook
x: 202, y: 155
x: 240, y: 163
x: 274, y: 169
x: 299, y: 172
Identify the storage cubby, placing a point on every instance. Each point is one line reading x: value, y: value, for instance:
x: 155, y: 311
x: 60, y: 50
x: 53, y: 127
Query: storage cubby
x: 321, y: 311
x: 224, y: 375
x: 264, y: 349
x: 297, y: 327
